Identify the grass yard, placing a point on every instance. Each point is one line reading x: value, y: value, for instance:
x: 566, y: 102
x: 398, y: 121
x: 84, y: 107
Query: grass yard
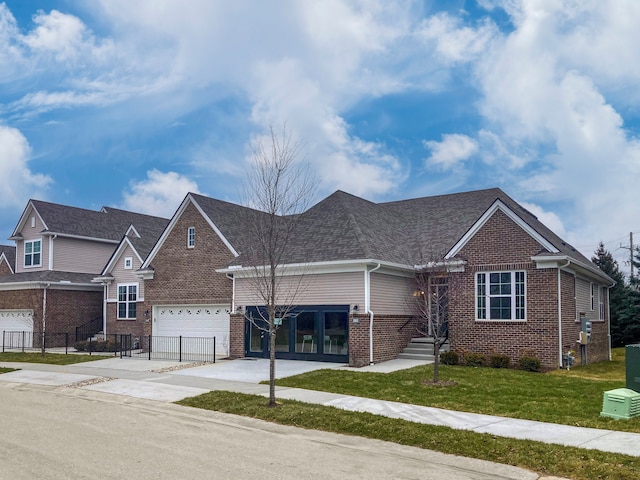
x: 53, y: 358
x: 536, y: 456
x: 567, y: 397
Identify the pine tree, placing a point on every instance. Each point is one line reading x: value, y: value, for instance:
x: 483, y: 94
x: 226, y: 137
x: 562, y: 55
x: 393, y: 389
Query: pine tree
x: 624, y: 301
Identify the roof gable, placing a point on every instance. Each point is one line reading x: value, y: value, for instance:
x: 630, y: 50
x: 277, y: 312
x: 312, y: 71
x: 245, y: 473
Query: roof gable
x: 499, y: 205
x: 8, y: 255
x: 228, y: 223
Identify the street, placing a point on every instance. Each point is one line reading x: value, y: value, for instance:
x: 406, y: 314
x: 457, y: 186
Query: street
x: 61, y: 433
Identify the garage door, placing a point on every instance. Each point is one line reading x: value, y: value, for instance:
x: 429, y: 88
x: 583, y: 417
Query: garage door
x: 194, y: 321
x: 12, y: 324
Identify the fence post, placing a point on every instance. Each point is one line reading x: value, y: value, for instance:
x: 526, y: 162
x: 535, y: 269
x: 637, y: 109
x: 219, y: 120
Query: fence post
x: 150, y: 347
x: 23, y: 341
x: 66, y: 343
x: 214, y: 349
x: 180, y: 350
x: 2, y: 341
x: 90, y: 346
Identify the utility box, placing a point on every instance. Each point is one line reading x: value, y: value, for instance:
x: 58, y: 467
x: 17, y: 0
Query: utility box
x: 621, y: 403
x: 632, y: 354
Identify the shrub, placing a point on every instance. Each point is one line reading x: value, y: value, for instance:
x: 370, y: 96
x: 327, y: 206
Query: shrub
x: 449, y: 358
x: 96, y: 346
x: 529, y: 363
x: 474, y: 359
x: 499, y: 361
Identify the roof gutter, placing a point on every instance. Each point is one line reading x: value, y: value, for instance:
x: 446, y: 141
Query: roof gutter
x: 368, y: 310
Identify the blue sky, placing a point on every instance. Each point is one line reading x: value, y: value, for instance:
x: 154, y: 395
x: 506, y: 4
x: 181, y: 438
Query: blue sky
x: 133, y: 104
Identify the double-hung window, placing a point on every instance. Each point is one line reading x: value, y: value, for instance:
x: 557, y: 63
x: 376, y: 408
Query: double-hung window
x: 32, y: 253
x: 127, y: 298
x: 500, y: 296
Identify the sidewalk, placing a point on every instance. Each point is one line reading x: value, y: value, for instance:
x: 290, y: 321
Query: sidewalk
x: 158, y: 380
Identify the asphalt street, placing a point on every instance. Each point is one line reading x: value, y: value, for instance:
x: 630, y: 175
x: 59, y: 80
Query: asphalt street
x: 51, y: 432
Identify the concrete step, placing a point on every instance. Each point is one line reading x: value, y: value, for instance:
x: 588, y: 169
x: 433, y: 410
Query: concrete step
x: 416, y: 356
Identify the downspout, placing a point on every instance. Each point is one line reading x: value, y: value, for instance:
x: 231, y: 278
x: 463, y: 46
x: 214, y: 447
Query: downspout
x: 51, y: 239
x: 44, y: 313
x: 105, y: 296
x: 369, y: 311
x: 609, y: 318
x: 560, y: 310
x: 233, y: 292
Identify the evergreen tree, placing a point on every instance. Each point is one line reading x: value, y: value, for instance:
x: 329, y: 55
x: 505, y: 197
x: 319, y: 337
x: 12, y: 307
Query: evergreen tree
x: 624, y: 300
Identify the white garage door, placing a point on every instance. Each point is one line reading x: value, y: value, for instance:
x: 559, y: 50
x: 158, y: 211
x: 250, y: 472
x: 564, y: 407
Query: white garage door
x: 12, y: 324
x: 200, y: 321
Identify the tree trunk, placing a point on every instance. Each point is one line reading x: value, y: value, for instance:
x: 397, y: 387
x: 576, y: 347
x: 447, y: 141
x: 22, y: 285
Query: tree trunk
x: 272, y: 364
x: 436, y: 360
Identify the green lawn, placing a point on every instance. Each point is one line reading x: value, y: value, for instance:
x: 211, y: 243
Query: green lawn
x: 53, y: 358
x: 536, y: 456
x: 567, y: 397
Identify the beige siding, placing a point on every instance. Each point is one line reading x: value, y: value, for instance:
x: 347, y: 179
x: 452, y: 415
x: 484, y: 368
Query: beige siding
x: 82, y: 256
x: 122, y: 275
x: 391, y: 295
x: 583, y: 299
x: 32, y: 233
x: 316, y: 289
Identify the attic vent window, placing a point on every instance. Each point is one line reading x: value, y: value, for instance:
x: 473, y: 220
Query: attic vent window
x: 191, y: 237
x: 128, y: 263
x: 33, y: 222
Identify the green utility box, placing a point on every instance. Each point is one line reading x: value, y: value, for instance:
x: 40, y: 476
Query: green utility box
x: 632, y: 354
x: 621, y: 403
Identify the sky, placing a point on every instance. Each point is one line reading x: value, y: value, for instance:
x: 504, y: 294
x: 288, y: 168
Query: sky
x: 134, y: 104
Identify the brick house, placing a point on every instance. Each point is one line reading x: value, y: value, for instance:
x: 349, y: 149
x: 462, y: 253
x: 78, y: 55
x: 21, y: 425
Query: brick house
x: 59, y: 250
x: 520, y: 289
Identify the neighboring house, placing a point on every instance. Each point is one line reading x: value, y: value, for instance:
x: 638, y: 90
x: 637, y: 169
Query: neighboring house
x: 184, y: 295
x: 59, y: 250
x: 123, y: 289
x: 520, y: 289
x: 7, y: 260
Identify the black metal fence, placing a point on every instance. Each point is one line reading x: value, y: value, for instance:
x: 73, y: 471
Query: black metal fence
x: 23, y: 341
x: 181, y: 349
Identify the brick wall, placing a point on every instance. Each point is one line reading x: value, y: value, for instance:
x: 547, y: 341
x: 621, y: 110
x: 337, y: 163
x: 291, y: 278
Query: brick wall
x: 66, y: 309
x: 391, y: 334
x: 187, y: 275
x: 124, y: 327
x: 503, y: 245
x: 236, y: 335
x: 4, y: 269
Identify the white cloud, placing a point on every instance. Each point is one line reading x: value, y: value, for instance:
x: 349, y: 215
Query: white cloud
x: 451, y: 151
x: 159, y: 194
x: 17, y: 181
x: 550, y: 219
x: 455, y: 42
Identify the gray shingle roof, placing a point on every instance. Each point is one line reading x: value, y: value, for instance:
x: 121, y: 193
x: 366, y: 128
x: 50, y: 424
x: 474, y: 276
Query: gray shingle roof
x: 408, y: 232
x: 48, y: 276
x: 10, y: 253
x: 107, y: 224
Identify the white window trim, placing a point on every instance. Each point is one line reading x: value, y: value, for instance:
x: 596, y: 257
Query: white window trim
x: 191, y: 238
x: 128, y: 263
x: 127, y: 301
x: 593, y: 296
x: 24, y: 256
x: 488, y: 296
x: 601, y: 303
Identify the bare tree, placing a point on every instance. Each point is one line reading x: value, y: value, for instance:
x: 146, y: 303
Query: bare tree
x: 280, y: 187
x: 435, y: 283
